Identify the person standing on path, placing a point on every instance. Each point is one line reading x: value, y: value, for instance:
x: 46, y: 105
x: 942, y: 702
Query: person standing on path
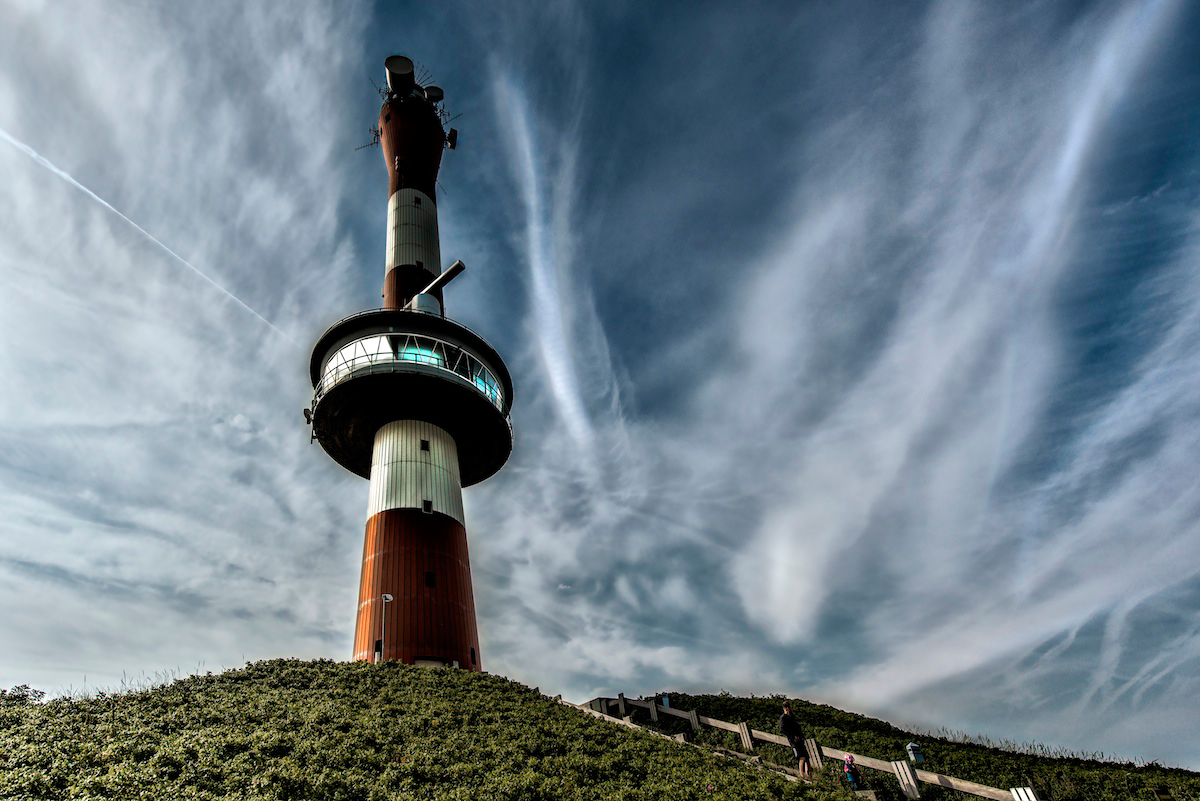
x: 789, y: 727
x: 852, y: 775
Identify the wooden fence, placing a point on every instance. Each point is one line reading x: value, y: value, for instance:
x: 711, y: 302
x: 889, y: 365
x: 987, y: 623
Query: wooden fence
x: 903, y: 771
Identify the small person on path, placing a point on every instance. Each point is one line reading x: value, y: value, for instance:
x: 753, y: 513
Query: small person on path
x: 789, y: 727
x: 852, y: 774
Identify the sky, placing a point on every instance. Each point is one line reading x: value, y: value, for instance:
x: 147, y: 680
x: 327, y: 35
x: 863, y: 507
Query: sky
x: 856, y: 346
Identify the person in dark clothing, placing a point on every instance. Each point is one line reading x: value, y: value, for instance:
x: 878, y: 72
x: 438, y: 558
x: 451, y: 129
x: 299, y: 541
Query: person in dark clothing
x: 789, y: 727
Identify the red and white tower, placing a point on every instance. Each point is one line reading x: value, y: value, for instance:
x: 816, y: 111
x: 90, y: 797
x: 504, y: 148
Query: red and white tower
x: 418, y: 404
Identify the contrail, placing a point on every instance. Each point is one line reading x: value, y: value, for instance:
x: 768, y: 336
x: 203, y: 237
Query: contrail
x: 37, y: 157
x: 552, y: 327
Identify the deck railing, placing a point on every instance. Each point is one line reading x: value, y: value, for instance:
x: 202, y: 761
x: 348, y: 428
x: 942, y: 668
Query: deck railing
x: 909, y: 777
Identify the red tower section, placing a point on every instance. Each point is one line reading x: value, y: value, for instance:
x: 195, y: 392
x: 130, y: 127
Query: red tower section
x: 416, y: 403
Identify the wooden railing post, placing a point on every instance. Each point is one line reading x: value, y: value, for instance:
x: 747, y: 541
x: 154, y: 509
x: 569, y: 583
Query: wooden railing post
x: 744, y: 733
x: 907, y: 778
x: 814, y: 753
x: 905, y: 773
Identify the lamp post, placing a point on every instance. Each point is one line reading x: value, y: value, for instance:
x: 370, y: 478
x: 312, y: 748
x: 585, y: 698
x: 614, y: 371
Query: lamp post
x: 387, y: 599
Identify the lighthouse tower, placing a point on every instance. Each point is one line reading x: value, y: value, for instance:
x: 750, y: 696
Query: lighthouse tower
x: 418, y: 404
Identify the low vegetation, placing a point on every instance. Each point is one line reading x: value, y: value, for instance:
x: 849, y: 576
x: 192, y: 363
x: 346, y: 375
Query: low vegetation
x: 286, y: 729
x: 1054, y: 778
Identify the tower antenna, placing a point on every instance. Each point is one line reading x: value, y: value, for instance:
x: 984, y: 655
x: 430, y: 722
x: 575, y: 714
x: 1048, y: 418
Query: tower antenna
x: 375, y: 135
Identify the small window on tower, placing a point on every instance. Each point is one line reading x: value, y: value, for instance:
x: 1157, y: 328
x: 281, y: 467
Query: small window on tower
x: 472, y: 654
x: 424, y: 444
x: 430, y: 579
x: 427, y: 507
x: 416, y: 201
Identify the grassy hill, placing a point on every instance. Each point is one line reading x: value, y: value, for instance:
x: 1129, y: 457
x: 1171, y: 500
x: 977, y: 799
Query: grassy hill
x: 287, y: 729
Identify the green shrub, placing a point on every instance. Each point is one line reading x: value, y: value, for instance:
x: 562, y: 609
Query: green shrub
x: 287, y: 729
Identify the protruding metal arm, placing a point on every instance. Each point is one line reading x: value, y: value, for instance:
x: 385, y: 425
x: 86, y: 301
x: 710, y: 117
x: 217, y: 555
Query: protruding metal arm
x: 449, y: 275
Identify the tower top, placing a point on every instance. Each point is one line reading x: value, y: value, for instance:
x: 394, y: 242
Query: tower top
x: 402, y: 84
x: 401, y: 76
x: 413, y: 136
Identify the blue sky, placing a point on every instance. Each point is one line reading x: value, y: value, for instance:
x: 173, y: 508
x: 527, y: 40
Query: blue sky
x: 856, y: 349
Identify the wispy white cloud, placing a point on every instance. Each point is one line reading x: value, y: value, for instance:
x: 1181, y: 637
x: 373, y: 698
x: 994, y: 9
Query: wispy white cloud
x: 549, y: 254
x: 890, y: 365
x: 967, y: 307
x: 904, y: 472
x: 154, y: 456
x: 803, y: 403
x: 33, y: 154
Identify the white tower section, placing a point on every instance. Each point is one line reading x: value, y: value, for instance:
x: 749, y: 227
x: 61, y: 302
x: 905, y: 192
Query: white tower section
x: 412, y: 232
x: 414, y: 465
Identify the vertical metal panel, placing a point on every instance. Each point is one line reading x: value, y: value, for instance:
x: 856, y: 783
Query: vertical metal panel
x: 403, y: 476
x: 423, y: 622
x: 412, y: 231
x: 366, y: 601
x: 409, y: 553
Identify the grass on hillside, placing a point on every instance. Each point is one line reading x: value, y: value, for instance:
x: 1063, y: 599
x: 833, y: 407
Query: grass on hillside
x: 1053, y: 778
x: 287, y: 729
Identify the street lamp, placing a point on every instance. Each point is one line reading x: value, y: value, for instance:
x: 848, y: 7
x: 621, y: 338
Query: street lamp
x: 387, y: 599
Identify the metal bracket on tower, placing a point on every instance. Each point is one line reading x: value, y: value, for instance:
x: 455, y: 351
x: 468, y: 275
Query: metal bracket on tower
x: 444, y: 278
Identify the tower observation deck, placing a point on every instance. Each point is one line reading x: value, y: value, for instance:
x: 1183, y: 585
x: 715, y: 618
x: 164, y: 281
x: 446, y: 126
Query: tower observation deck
x: 416, y: 403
